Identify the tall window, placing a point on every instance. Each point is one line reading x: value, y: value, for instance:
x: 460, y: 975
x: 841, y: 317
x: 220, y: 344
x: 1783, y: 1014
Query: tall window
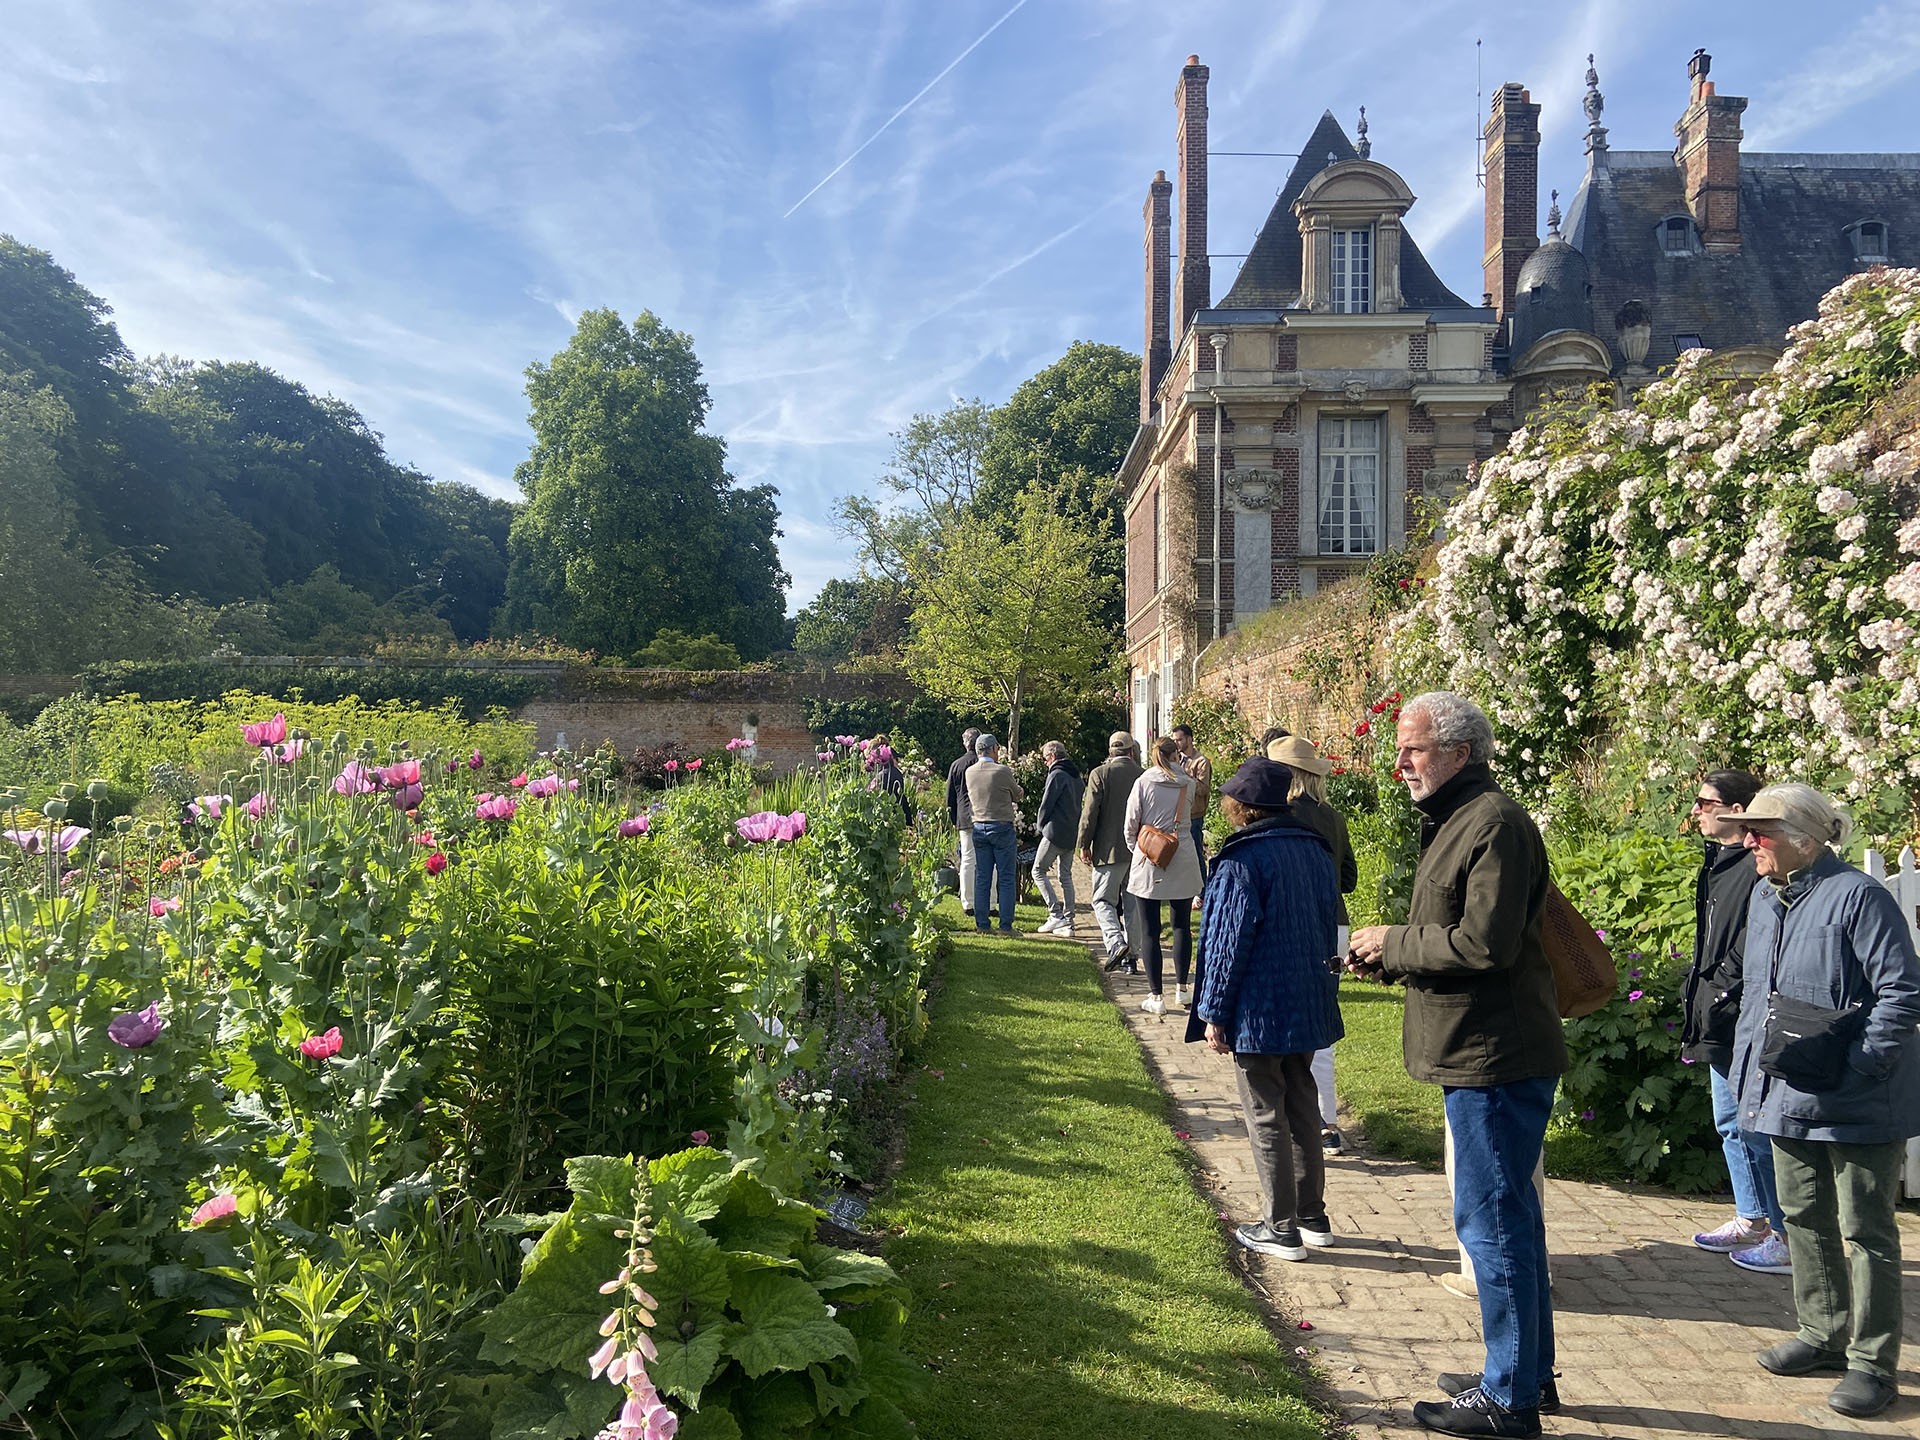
x: 1349, y: 486
x: 1352, y: 272
x: 1156, y: 539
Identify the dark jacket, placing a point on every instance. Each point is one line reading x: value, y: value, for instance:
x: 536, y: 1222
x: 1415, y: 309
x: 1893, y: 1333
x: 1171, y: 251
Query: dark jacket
x: 1834, y: 937
x: 959, y: 807
x: 1103, y: 811
x: 1266, y: 930
x: 1481, y: 1008
x: 1710, y: 996
x: 1059, y: 814
x: 889, y: 779
x: 1332, y: 828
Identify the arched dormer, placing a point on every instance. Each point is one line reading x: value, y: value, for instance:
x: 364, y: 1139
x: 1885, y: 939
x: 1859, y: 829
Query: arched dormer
x: 1350, y: 229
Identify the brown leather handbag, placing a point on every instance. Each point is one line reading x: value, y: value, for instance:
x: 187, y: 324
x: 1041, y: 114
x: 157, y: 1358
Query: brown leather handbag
x: 1159, y: 846
x: 1585, y: 975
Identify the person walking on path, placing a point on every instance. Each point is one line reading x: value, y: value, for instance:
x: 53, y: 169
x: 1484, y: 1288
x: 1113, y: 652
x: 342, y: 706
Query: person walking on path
x: 1710, y: 1006
x: 1265, y: 995
x: 960, y: 814
x: 992, y: 793
x: 1161, y: 798
x: 1200, y: 769
x: 1103, y: 841
x: 1826, y: 1062
x: 1483, y: 1022
x: 1058, y: 821
x: 1307, y: 795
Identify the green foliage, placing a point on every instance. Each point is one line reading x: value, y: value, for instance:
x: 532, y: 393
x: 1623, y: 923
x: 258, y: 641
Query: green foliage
x: 632, y: 524
x: 1647, y: 1113
x: 762, y: 1330
x: 863, y: 616
x: 474, y: 690
x: 677, y: 650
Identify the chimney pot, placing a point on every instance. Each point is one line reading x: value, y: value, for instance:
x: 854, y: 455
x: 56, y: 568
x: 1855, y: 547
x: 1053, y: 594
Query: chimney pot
x: 1193, y: 59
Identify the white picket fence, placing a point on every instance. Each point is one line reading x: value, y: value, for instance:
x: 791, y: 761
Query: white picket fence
x: 1904, y: 882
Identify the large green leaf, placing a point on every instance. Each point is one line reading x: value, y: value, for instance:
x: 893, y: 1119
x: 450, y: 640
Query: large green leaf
x: 552, y: 1318
x: 687, y: 1361
x: 695, y: 1182
x: 848, y: 1277
x: 601, y: 1185
x: 837, y: 1390
x: 784, y: 1325
x: 709, y: 1425
x: 876, y: 1419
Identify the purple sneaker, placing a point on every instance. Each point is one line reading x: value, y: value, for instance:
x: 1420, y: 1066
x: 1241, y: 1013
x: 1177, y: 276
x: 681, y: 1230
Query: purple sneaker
x: 1736, y: 1234
x: 1769, y: 1257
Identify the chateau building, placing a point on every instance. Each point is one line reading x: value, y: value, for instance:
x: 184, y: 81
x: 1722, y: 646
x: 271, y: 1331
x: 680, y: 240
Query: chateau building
x: 1287, y: 431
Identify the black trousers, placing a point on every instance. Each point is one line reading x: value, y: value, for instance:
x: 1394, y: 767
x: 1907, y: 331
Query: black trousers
x: 1182, y: 911
x: 1282, y: 1106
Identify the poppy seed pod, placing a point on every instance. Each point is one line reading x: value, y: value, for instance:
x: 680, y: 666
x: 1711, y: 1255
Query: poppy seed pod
x: 96, y: 790
x: 55, y: 809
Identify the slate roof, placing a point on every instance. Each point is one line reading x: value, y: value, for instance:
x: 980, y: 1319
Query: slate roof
x: 1269, y: 277
x: 1793, y: 214
x: 1551, y: 293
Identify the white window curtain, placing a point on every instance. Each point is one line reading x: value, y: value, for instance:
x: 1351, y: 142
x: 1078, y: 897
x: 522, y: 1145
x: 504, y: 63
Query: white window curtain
x: 1350, y: 485
x: 1352, y: 272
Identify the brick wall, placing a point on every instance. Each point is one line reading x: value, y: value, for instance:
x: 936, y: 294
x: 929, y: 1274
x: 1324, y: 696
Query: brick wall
x: 1417, y: 352
x: 1140, y: 563
x: 1286, y: 353
x: 1513, y: 190
x: 1192, y: 289
x: 1268, y: 687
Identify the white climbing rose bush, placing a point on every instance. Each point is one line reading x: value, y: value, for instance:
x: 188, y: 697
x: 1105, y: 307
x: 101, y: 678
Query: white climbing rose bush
x: 1718, y: 573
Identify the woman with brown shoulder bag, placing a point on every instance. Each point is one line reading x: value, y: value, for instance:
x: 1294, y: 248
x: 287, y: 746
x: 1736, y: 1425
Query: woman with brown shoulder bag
x: 1165, y: 867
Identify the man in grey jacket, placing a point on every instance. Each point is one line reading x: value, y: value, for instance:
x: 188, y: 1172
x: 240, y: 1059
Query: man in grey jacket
x: 1058, y: 821
x: 1103, y: 840
x: 1841, y: 1099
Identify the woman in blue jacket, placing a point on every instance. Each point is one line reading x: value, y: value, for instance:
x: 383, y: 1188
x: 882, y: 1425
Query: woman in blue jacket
x: 1267, y: 997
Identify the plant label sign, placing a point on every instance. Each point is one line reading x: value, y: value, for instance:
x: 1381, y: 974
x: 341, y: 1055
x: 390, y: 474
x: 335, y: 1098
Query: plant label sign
x: 846, y: 1211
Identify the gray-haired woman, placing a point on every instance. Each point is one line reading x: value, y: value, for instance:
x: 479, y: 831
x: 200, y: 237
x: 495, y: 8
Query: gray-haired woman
x: 1826, y: 1062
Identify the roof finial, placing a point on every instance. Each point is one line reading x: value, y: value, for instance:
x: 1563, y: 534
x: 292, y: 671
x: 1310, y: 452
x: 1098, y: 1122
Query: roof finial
x: 1553, y: 216
x: 1595, y: 104
x: 1362, y: 146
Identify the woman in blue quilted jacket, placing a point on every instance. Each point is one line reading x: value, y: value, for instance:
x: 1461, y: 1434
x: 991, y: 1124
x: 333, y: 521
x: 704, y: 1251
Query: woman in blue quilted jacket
x: 1267, y: 997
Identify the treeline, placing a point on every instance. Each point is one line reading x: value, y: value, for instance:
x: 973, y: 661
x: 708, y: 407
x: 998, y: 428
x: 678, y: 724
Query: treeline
x: 160, y: 508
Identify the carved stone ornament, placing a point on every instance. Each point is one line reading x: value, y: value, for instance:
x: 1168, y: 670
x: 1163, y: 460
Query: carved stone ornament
x: 1355, y: 389
x: 1443, y: 482
x: 1251, y: 489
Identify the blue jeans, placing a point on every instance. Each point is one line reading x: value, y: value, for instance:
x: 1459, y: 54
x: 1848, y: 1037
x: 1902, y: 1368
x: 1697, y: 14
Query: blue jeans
x: 1498, y: 1131
x: 993, y: 851
x: 1749, y: 1158
x: 1199, y: 828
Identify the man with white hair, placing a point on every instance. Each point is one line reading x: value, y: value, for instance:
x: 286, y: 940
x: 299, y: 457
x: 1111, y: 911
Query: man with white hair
x: 1827, y: 1063
x: 992, y: 795
x: 1058, y: 821
x: 1483, y: 1022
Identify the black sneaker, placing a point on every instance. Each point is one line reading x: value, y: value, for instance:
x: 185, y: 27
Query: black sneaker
x: 1330, y: 1140
x: 1475, y: 1413
x: 1115, y: 959
x: 1458, y: 1382
x: 1317, y: 1231
x: 1280, y: 1241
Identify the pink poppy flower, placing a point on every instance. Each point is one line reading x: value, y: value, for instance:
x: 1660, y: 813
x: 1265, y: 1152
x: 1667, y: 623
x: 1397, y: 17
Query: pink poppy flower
x: 495, y: 807
x: 356, y: 779
x: 474, y: 762
x: 260, y: 804
x: 407, y: 796
x: 519, y: 781
x: 211, y: 1212
x: 288, y: 753
x: 634, y: 825
x: 162, y: 905
x: 401, y: 775
x: 322, y: 1047
x: 671, y: 766
x: 208, y: 807
x: 546, y: 785
x: 699, y: 1137
x: 266, y: 732
x: 693, y: 764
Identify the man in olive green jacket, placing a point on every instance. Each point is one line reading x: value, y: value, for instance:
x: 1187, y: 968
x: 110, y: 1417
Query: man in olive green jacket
x: 1103, y: 840
x: 1482, y: 1021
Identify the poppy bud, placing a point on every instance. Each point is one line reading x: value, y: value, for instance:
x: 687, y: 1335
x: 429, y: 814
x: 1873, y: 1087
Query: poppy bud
x: 96, y: 790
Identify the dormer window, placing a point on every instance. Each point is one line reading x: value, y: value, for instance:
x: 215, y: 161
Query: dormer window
x: 1869, y: 241
x: 1352, y: 272
x: 1678, y: 236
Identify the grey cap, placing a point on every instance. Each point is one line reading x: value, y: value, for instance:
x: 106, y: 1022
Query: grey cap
x: 985, y: 743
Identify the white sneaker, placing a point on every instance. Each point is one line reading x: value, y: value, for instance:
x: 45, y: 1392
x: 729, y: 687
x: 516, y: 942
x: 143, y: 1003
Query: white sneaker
x: 1182, y: 997
x: 1153, y: 1005
x: 1048, y: 925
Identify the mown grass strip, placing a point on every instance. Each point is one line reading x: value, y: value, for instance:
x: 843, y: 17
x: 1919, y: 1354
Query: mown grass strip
x: 1067, y: 1279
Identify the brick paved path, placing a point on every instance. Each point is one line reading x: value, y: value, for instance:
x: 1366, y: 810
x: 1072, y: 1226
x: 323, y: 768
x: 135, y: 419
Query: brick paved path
x: 1654, y: 1336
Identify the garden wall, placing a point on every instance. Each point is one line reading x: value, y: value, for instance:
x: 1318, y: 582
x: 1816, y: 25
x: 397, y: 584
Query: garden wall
x: 1311, y: 675
x: 699, y: 711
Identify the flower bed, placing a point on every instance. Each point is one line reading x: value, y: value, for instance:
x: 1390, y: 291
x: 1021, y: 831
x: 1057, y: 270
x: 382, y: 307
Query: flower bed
x: 282, y: 1079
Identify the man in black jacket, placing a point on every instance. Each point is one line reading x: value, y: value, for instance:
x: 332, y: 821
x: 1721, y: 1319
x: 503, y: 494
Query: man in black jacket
x: 1058, y: 821
x: 960, y: 813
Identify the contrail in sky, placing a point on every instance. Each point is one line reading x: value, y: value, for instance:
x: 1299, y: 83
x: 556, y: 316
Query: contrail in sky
x: 1019, y: 5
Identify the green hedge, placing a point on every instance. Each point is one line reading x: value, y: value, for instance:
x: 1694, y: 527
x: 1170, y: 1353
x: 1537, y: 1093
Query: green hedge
x: 474, y: 691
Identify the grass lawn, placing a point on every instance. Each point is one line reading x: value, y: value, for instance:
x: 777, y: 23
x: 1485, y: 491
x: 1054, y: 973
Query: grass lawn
x: 1067, y: 1279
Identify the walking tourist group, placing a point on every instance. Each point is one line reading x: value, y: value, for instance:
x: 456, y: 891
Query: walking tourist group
x: 1802, y: 1002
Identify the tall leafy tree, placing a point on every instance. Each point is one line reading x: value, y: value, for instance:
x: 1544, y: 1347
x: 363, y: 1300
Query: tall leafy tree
x: 632, y: 524
x: 1007, y: 607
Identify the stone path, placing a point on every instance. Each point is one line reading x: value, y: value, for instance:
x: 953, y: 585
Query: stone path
x: 1654, y: 1336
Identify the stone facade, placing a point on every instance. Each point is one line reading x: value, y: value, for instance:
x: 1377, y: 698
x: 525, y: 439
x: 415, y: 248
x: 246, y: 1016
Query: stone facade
x: 1297, y: 422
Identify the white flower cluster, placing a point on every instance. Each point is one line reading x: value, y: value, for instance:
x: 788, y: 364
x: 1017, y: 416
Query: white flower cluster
x: 1726, y: 573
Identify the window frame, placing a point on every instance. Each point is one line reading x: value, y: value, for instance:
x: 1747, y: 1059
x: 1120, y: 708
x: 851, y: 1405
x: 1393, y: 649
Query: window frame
x: 1857, y: 240
x: 1362, y: 523
x: 1681, y: 225
x: 1342, y: 265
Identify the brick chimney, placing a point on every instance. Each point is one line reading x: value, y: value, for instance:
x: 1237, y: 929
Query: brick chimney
x: 1709, y: 159
x: 1158, y: 349
x: 1513, y: 191
x: 1194, y: 288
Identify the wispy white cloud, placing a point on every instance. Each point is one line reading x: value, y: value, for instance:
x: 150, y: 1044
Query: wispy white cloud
x: 1879, y: 51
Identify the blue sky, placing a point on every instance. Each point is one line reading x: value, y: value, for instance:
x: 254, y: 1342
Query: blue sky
x: 403, y: 203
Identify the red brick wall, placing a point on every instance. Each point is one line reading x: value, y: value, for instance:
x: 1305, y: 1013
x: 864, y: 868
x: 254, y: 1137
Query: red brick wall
x: 1286, y: 353
x: 1513, y: 191
x: 1140, y: 562
x: 1192, y: 291
x: 1417, y: 352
